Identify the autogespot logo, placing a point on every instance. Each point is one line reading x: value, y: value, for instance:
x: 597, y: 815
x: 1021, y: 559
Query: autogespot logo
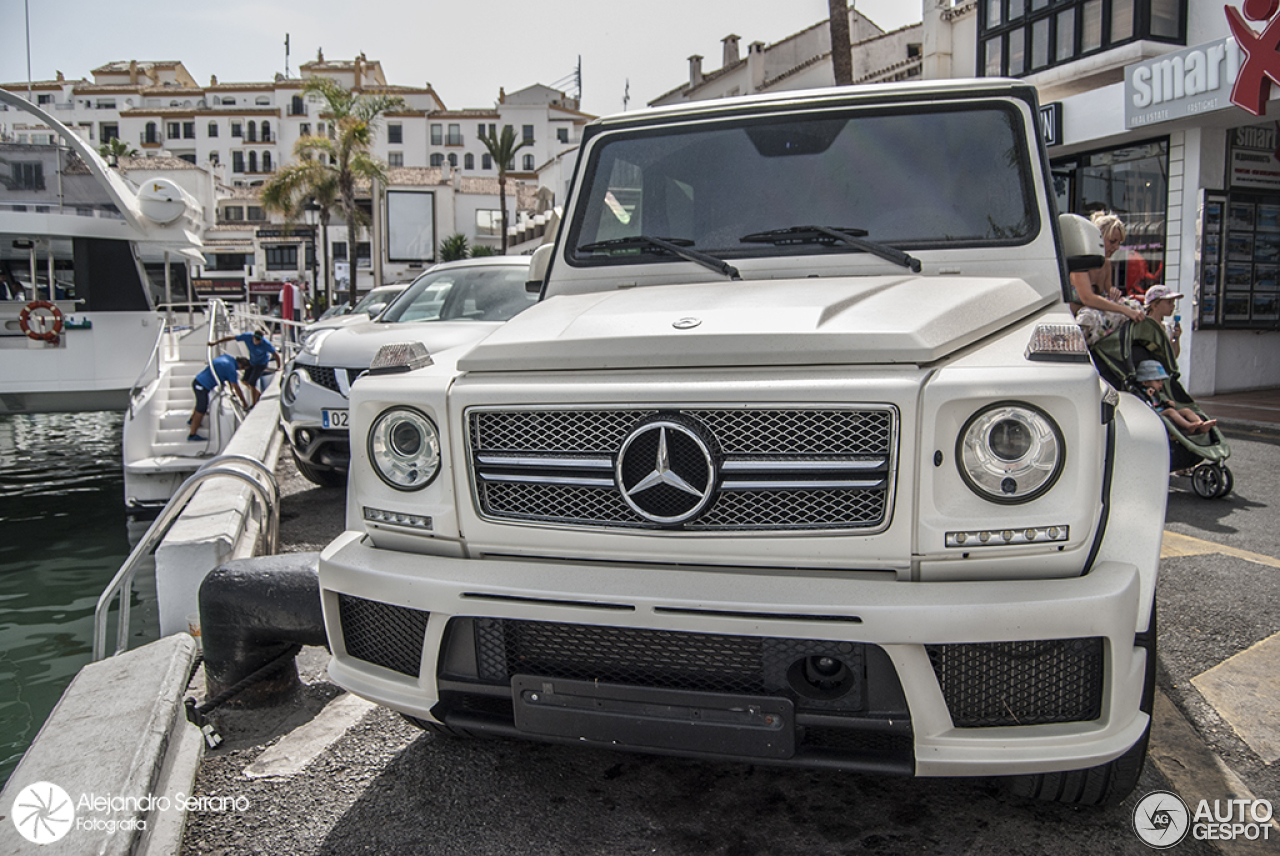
x: 1161, y: 819
x: 43, y: 813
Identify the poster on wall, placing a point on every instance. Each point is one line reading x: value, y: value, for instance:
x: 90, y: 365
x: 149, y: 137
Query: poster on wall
x: 1252, y: 162
x: 411, y: 226
x: 1239, y: 282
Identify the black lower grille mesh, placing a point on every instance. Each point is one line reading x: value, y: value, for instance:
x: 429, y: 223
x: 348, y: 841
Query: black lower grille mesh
x: 1020, y: 683
x: 705, y: 662
x: 383, y: 634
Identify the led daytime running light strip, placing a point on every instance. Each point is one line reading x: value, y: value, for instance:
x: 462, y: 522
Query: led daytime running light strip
x: 377, y: 515
x: 1004, y: 537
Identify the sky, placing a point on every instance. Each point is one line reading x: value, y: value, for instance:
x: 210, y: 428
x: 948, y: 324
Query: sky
x: 466, y: 49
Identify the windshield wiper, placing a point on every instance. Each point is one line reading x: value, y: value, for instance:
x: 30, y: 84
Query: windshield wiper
x: 681, y: 247
x: 852, y: 237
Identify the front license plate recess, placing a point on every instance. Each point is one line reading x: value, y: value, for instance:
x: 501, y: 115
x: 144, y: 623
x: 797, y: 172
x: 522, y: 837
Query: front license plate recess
x: 644, y: 718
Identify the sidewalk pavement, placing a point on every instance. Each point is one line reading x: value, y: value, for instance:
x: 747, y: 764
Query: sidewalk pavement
x: 1254, y: 414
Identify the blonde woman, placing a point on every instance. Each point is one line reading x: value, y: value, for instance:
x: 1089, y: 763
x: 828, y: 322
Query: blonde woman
x: 1099, y: 307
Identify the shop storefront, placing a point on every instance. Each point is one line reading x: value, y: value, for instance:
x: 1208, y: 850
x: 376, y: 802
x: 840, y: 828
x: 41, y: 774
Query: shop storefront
x: 1196, y: 180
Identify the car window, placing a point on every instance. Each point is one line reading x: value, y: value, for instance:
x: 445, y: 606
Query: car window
x: 465, y: 294
x: 913, y: 176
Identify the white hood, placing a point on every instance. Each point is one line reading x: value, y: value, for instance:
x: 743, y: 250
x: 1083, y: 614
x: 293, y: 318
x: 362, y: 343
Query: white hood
x: 355, y: 346
x: 884, y: 319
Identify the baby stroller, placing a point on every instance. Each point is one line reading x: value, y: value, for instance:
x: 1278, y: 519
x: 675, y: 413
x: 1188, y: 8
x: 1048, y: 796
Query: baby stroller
x: 1203, y: 455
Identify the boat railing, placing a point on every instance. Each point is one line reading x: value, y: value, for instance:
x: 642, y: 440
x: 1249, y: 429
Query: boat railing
x: 144, y: 376
x: 285, y: 334
x: 260, y: 480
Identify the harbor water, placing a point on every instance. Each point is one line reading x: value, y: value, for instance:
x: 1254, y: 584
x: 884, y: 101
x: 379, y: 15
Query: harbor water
x: 63, y: 535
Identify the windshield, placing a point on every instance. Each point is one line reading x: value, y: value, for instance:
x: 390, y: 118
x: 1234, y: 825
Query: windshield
x: 494, y: 293
x: 375, y: 296
x: 951, y: 176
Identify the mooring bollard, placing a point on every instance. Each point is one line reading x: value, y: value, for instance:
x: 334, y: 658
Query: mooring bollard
x: 254, y: 614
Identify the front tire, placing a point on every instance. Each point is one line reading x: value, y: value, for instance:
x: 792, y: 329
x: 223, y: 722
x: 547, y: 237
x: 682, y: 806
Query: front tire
x: 322, y: 477
x: 1106, y: 784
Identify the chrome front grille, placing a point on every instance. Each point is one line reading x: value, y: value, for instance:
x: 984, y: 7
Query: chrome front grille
x: 776, y: 468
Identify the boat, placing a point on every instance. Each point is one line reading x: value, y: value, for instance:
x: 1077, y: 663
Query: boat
x: 80, y: 316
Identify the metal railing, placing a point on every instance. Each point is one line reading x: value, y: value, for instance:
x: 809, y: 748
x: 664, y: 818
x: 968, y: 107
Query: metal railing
x: 121, y: 584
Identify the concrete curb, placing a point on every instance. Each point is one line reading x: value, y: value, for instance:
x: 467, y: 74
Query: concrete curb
x: 118, y: 733
x: 216, y: 526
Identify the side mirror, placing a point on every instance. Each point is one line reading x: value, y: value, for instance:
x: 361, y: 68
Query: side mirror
x: 376, y: 309
x: 538, y: 267
x: 1082, y: 242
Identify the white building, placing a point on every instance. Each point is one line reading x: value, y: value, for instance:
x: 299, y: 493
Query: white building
x: 802, y: 61
x: 238, y: 134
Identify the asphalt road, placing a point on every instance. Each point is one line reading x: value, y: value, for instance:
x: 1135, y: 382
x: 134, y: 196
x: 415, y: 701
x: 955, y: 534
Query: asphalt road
x: 384, y: 787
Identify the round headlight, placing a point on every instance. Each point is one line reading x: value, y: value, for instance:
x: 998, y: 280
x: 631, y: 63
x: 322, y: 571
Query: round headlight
x: 404, y: 448
x: 1010, y: 452
x: 291, y: 385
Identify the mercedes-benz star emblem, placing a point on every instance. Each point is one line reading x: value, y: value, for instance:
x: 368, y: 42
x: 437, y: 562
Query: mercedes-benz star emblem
x: 665, y: 472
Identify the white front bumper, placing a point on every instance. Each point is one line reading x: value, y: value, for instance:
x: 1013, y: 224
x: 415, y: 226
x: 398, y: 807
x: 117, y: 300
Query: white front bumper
x: 900, y: 617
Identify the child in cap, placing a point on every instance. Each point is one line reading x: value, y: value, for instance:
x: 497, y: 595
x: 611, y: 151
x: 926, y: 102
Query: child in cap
x: 1152, y: 377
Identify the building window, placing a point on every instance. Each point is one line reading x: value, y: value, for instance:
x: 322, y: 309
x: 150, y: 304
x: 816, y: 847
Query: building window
x: 1024, y: 36
x: 486, y: 161
x: 151, y: 134
x: 1130, y: 181
x: 455, y: 136
x: 437, y: 135
x: 251, y: 134
x: 562, y: 135
x: 262, y: 101
x: 304, y: 129
x: 237, y: 129
x: 173, y: 130
x: 339, y: 250
x: 453, y: 159
x: 44, y: 99
x: 527, y: 133
x: 213, y: 129
x: 105, y: 104
x: 364, y: 255
x: 489, y: 223
x: 282, y: 256
x: 266, y: 162
x: 237, y: 161
x: 468, y: 161
x: 437, y: 159
x: 480, y: 130
x: 188, y: 130
x: 254, y: 212
x: 297, y: 107
x: 108, y: 131
x: 233, y: 213
x: 28, y: 175
x: 229, y: 261
x: 266, y: 132
x: 395, y: 134
x: 253, y: 161
x: 395, y: 159
x: 528, y: 165
x: 189, y: 158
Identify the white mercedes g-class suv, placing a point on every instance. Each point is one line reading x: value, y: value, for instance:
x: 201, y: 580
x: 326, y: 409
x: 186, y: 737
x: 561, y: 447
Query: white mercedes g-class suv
x: 800, y: 459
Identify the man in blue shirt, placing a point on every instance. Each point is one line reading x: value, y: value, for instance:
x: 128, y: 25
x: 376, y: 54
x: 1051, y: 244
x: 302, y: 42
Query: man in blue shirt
x: 260, y: 352
x: 224, y: 367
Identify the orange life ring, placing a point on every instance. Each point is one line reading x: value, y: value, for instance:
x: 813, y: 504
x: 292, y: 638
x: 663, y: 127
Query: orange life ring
x: 24, y: 319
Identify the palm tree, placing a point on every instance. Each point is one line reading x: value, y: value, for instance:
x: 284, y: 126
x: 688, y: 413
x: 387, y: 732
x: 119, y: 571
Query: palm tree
x: 502, y: 148
x: 454, y: 248
x: 117, y: 148
x: 307, y: 185
x: 354, y: 116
